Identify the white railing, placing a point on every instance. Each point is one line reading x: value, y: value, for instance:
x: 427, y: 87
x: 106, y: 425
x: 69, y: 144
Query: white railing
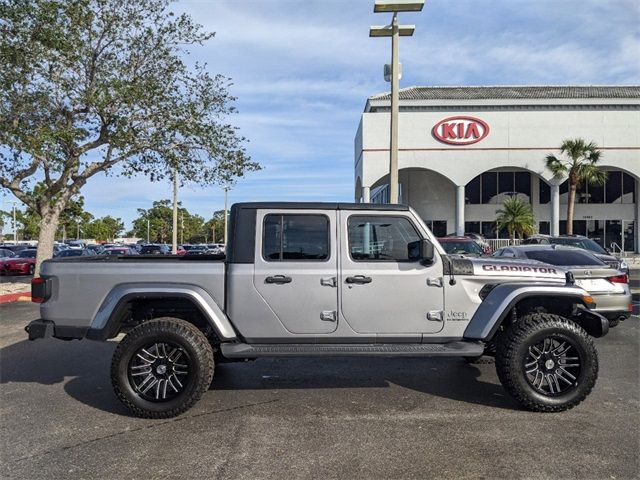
x: 496, y: 243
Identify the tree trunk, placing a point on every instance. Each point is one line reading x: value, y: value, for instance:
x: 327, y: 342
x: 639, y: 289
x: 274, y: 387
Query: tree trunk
x: 48, y: 228
x: 570, y: 206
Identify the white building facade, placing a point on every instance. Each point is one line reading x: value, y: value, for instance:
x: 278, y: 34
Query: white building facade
x: 464, y: 150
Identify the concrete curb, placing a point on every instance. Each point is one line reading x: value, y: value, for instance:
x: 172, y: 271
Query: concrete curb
x: 16, y: 297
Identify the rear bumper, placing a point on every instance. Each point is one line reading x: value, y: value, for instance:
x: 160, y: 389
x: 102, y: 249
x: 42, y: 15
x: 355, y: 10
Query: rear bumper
x: 46, y: 329
x: 612, y: 306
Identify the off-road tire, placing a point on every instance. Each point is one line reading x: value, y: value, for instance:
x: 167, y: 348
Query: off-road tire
x: 513, y: 348
x: 166, y: 329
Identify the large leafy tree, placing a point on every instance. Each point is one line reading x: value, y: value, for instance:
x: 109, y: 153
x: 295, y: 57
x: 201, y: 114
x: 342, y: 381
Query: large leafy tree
x: 100, y: 86
x: 578, y: 162
x: 159, y: 221
x: 104, y: 229
x: 516, y: 216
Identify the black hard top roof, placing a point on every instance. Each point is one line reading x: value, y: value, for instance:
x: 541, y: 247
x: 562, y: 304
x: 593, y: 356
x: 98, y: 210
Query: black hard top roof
x: 320, y: 206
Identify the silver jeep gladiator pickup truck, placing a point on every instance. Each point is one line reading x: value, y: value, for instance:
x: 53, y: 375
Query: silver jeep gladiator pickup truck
x: 322, y: 279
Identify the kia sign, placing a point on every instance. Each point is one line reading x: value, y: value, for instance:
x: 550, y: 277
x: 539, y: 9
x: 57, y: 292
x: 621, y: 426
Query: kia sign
x: 460, y: 130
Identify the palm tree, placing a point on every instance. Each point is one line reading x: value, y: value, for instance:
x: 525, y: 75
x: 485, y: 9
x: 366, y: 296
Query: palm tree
x: 580, y: 165
x: 517, y: 217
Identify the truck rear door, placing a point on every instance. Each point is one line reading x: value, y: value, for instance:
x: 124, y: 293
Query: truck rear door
x: 296, y: 271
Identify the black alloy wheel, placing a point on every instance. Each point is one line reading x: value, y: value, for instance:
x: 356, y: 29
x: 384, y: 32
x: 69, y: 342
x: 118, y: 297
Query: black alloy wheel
x: 552, y: 366
x: 159, y: 371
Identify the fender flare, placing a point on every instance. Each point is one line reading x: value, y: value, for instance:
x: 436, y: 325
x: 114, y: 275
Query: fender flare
x: 499, y: 302
x: 106, y: 322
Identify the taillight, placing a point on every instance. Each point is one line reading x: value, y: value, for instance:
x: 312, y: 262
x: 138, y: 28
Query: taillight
x: 40, y: 289
x: 624, y: 278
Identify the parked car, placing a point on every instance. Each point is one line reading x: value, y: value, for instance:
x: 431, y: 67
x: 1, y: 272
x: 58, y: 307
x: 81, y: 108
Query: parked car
x: 461, y: 246
x: 75, y: 252
x: 16, y: 248
x: 75, y: 244
x: 216, y: 248
x: 120, y: 251
x: 155, y: 249
x: 580, y: 241
x: 6, y: 253
x: 198, y: 250
x: 23, y: 263
x: 482, y: 241
x: 96, y: 249
x: 609, y: 287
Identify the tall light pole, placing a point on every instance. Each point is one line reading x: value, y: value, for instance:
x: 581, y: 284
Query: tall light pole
x: 174, y: 233
x: 226, y: 190
x: 394, y: 31
x: 148, y: 228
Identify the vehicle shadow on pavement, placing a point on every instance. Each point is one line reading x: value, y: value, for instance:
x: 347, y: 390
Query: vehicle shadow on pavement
x: 83, y: 368
x: 447, y: 378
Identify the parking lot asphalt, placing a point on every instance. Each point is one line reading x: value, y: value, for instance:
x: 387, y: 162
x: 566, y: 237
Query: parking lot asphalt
x: 310, y: 418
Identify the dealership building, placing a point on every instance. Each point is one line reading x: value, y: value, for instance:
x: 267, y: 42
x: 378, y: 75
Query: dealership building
x: 463, y: 150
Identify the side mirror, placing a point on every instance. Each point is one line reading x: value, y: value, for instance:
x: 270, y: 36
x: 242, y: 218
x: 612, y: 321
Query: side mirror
x: 421, y: 249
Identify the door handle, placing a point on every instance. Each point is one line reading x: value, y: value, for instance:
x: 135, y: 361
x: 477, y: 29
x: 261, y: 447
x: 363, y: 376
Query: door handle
x: 279, y: 279
x: 360, y: 279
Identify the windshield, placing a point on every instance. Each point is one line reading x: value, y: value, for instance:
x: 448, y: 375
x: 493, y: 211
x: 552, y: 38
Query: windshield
x: 150, y: 249
x: 27, y: 254
x: 564, y: 257
x: 462, y: 247
x: 584, y: 243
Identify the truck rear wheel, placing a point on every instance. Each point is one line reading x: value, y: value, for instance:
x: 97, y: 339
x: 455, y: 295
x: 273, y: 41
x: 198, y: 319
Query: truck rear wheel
x: 546, y: 362
x: 161, y: 368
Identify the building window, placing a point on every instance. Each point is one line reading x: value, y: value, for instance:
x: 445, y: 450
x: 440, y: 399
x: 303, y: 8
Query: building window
x: 374, y: 238
x: 545, y: 192
x: 472, y: 227
x: 629, y: 193
x: 544, y: 228
x: 495, y: 187
x: 472, y: 191
x: 613, y: 187
x: 295, y: 237
x: 437, y: 227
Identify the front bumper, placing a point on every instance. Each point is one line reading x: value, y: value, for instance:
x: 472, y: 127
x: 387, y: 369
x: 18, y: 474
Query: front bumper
x: 46, y: 329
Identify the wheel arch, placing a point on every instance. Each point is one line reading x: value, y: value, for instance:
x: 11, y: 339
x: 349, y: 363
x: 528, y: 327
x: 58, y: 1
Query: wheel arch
x: 118, y: 304
x: 501, y: 301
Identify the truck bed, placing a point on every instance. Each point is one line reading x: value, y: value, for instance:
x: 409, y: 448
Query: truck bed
x: 90, y: 280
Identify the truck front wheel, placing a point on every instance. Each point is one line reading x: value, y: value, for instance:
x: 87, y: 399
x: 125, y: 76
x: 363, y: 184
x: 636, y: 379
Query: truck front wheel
x: 161, y: 368
x: 546, y: 362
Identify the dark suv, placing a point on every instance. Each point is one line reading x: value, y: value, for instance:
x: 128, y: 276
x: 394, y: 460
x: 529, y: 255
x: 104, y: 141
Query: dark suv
x: 155, y: 249
x: 579, y: 241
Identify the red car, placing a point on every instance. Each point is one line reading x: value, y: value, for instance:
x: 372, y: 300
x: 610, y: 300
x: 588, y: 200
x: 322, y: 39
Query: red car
x: 23, y: 263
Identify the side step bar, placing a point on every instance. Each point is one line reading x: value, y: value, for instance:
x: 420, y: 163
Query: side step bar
x: 452, y: 349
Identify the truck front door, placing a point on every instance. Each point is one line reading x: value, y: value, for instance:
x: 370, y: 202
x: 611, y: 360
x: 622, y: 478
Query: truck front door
x: 296, y: 268
x: 385, y: 289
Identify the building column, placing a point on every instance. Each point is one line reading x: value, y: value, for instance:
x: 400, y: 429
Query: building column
x: 366, y: 194
x: 555, y: 210
x: 460, y: 210
x: 636, y: 224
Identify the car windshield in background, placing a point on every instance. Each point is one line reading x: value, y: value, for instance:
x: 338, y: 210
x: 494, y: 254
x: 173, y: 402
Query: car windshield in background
x: 564, y: 257
x: 116, y: 251
x: 584, y: 243
x: 27, y: 254
x: 71, y: 253
x: 462, y: 248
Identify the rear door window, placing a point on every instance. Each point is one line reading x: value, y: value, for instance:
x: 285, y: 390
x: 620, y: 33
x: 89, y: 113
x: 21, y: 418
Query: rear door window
x: 290, y: 237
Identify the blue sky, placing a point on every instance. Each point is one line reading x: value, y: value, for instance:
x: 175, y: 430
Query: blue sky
x: 302, y: 71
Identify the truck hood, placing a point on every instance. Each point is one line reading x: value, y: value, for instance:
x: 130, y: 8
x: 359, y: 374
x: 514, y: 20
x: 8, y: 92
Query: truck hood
x: 507, y: 268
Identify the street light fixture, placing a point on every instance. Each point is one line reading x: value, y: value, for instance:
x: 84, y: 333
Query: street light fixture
x: 394, y: 31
